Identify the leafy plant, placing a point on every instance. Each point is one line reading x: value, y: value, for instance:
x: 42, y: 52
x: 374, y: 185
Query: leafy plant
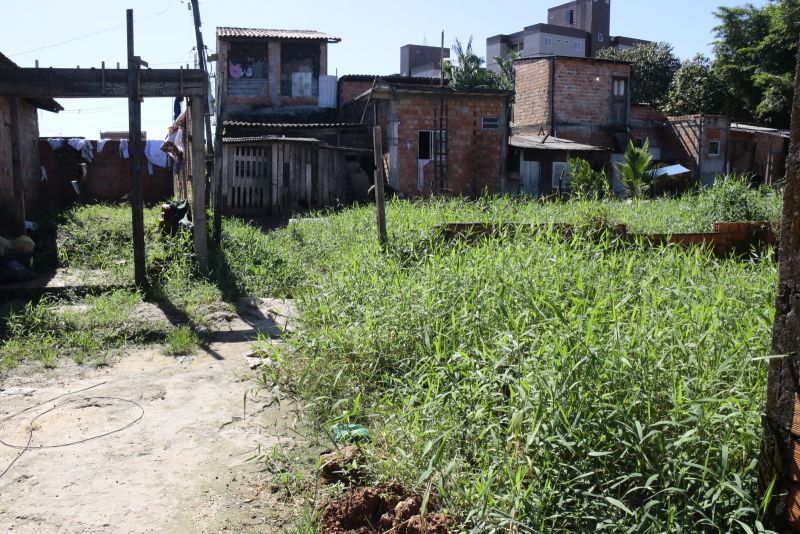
x: 585, y: 182
x: 634, y: 169
x: 182, y: 341
x: 732, y: 199
x: 468, y: 71
x: 653, y: 66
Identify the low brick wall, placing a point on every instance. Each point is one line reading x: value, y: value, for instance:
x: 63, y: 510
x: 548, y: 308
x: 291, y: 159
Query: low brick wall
x: 108, y: 177
x: 728, y: 238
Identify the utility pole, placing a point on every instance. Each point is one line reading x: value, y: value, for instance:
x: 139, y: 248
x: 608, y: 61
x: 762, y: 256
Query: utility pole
x: 135, y: 141
x: 203, y: 64
x: 779, y: 466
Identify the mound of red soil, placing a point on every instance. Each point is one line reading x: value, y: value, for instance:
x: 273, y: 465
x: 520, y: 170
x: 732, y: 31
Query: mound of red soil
x: 380, y: 510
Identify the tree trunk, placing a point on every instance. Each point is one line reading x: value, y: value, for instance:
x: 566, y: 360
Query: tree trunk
x: 779, y: 465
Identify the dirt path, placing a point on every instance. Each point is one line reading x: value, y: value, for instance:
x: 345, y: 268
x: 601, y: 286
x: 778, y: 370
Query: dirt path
x: 181, y: 468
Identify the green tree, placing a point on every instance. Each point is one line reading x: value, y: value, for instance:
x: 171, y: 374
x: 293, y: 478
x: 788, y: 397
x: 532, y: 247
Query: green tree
x: 634, y: 170
x: 755, y: 50
x: 506, y: 64
x: 653, y: 65
x: 468, y: 71
x: 584, y: 181
x: 695, y: 89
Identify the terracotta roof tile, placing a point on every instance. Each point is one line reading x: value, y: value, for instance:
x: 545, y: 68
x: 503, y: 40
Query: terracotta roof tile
x: 257, y: 33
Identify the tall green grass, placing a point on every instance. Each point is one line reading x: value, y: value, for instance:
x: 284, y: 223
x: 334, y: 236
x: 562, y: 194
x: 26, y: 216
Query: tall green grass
x: 531, y: 382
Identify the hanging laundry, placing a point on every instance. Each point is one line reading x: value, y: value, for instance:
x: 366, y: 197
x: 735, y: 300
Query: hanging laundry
x: 155, y: 156
x: 101, y: 145
x: 84, y: 147
x: 176, y: 108
x: 123, y: 149
x: 56, y: 143
x: 235, y: 70
x: 43, y: 177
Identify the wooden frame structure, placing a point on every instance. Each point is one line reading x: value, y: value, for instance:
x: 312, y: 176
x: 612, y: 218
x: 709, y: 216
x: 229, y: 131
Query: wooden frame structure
x: 133, y: 84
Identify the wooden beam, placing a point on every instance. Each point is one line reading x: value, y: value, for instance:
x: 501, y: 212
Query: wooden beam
x: 380, y: 198
x: 18, y: 187
x: 135, y: 141
x: 198, y: 107
x: 99, y: 83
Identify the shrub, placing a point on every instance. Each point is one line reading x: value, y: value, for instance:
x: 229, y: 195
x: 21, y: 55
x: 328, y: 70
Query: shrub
x: 585, y: 182
x: 732, y: 199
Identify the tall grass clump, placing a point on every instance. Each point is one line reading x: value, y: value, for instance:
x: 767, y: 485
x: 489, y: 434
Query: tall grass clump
x: 731, y: 198
x: 539, y: 384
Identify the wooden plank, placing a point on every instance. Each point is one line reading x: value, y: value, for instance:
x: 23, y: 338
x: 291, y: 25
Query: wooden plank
x: 136, y: 151
x: 198, y: 106
x: 380, y: 199
x: 18, y: 186
x: 99, y: 83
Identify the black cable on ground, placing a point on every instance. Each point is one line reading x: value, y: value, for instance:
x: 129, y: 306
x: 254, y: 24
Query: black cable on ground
x: 27, y: 447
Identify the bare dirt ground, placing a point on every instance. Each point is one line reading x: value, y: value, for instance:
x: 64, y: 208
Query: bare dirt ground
x: 181, y: 467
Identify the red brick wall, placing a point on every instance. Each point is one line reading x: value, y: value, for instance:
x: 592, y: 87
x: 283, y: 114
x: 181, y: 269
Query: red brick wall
x: 580, y: 96
x: 349, y: 89
x: 693, y: 133
x: 475, y: 155
x: 108, y: 176
x: 532, y: 103
x: 29, y: 152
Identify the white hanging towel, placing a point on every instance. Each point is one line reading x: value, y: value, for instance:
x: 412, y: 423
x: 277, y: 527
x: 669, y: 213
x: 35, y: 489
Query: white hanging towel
x: 101, y: 144
x: 56, y: 143
x: 84, y: 147
x: 155, y: 156
x: 123, y: 149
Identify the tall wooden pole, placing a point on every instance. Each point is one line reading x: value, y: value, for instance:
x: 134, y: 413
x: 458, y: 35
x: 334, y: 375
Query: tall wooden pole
x: 18, y: 227
x: 779, y: 466
x: 380, y: 197
x: 198, y: 109
x: 135, y: 142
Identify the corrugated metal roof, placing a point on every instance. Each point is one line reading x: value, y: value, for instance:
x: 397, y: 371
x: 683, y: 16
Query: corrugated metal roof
x: 268, y: 138
x: 259, y: 33
x: 739, y: 127
x: 551, y: 143
x: 672, y: 170
x: 294, y: 125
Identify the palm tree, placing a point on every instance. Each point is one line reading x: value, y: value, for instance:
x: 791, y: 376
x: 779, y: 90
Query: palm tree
x: 469, y: 73
x: 635, y: 169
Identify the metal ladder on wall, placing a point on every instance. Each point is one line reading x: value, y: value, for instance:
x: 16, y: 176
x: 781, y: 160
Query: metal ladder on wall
x: 441, y: 143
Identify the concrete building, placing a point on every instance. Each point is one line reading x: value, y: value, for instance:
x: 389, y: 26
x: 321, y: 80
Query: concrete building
x: 580, y: 28
x: 26, y: 127
x: 422, y: 61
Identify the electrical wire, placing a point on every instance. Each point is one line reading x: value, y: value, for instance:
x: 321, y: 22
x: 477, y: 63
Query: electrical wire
x: 86, y: 36
x: 27, y: 447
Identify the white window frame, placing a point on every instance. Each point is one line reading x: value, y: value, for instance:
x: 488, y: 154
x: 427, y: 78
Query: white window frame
x: 718, y: 152
x: 578, y: 46
x: 548, y: 42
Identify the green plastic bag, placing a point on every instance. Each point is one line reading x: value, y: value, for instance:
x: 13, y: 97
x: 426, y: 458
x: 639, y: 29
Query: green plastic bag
x: 349, y: 433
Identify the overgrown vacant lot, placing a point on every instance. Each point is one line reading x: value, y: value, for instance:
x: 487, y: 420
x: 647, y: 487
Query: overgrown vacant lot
x: 562, y: 386
x: 559, y: 385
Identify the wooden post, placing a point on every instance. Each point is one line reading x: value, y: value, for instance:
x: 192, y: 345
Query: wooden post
x: 380, y: 198
x: 18, y: 226
x: 198, y: 106
x: 780, y: 455
x: 135, y: 142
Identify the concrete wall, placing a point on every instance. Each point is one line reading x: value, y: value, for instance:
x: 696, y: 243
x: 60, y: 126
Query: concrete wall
x: 29, y: 152
x: 475, y: 156
x: 415, y: 59
x: 560, y: 45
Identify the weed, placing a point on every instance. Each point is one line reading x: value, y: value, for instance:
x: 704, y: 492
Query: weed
x: 182, y: 341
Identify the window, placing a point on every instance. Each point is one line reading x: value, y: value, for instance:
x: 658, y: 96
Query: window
x: 600, y: 38
x: 578, y: 46
x: 713, y: 148
x: 571, y: 17
x: 560, y: 176
x: 248, y: 71
x: 619, y: 101
x: 300, y: 69
x: 490, y: 123
x: 425, y: 145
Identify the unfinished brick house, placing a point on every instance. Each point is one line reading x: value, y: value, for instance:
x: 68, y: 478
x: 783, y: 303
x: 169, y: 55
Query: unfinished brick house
x: 587, y: 101
x: 19, y: 129
x: 283, y: 148
x: 468, y: 158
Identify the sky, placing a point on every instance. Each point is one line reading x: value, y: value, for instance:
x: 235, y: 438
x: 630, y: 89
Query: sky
x: 85, y: 33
